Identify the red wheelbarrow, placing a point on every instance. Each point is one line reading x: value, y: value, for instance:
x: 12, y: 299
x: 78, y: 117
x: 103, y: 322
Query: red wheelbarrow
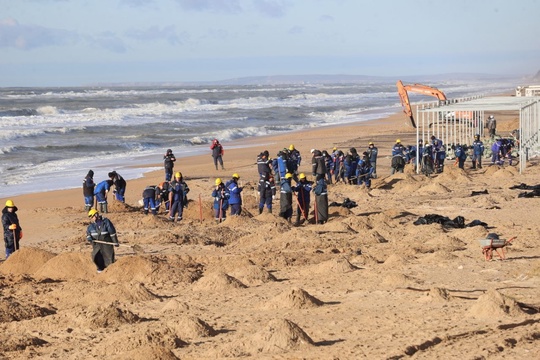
x: 493, y: 242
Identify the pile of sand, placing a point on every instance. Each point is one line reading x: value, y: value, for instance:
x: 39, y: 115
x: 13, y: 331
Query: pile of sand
x: 433, y: 189
x: 68, y: 266
x: 295, y: 298
x: 26, y: 260
x: 13, y: 310
x: 494, y: 305
x: 175, y: 306
x: 453, y: 175
x: 337, y: 265
x: 152, y: 268
x: 253, y: 275
x: 217, y: 281
x: 16, y: 342
x: 143, y: 335
x: 191, y: 327
x: 280, y: 335
x: 437, y: 294
x: 108, y: 315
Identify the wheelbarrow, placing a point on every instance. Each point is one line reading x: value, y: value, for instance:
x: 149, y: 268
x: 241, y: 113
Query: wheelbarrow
x: 493, y: 243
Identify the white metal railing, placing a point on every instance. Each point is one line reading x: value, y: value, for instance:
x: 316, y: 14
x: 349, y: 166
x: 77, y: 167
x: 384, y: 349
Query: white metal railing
x: 529, y: 129
x: 459, y: 127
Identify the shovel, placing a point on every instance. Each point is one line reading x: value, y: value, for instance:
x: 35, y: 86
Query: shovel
x: 135, y: 248
x: 15, y: 239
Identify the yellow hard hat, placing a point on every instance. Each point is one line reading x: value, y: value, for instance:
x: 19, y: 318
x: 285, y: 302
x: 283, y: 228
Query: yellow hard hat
x: 218, y: 181
x: 291, y: 147
x: 334, y: 149
x: 178, y: 174
x: 236, y: 176
x: 302, y: 176
x: 10, y: 203
x: 288, y: 176
x: 398, y: 141
x: 92, y: 212
x: 370, y: 143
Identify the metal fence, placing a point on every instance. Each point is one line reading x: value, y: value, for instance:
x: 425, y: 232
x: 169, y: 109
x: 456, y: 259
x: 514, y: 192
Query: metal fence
x: 457, y: 121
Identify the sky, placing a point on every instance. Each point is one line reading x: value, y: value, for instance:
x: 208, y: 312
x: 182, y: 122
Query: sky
x: 86, y: 42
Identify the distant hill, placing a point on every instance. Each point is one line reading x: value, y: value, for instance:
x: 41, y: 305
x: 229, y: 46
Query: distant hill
x: 352, y: 79
x: 537, y: 76
x: 326, y: 79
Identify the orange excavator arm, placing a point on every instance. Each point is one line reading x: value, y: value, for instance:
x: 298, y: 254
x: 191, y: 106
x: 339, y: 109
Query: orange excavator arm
x: 417, y: 88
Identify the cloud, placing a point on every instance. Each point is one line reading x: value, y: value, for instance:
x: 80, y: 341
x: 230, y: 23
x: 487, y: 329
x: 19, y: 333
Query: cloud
x: 296, y: 30
x: 109, y: 41
x: 272, y: 8
x: 27, y: 37
x: 219, y: 6
x: 326, y: 18
x: 138, y: 3
x: 155, y: 33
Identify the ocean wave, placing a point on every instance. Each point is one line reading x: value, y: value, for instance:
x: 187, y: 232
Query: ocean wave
x: 18, y: 112
x: 47, y: 110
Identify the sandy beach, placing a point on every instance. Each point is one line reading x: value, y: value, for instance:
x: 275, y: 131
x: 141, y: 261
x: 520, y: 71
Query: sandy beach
x: 367, y: 284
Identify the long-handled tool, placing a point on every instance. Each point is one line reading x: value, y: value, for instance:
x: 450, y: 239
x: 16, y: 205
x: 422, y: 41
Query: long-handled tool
x: 220, y: 208
x: 316, y: 211
x: 200, y: 207
x: 15, y: 239
x: 135, y: 248
x: 300, y: 206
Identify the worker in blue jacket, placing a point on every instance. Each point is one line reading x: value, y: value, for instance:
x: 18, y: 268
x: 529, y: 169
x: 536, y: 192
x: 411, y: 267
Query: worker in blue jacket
x: 302, y: 192
x: 101, y: 190
x: 221, y: 197
x: 235, y: 191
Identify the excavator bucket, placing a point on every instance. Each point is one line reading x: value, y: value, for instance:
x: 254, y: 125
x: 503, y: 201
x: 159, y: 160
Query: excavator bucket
x: 404, y: 97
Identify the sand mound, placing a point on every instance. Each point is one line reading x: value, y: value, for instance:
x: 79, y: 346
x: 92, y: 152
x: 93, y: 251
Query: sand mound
x: 453, y: 175
x: 131, y: 292
x: 339, y: 211
x: 147, y: 352
x: 495, y: 305
x: 294, y: 298
x: 191, y: 327
x: 26, y: 260
x: 16, y: 342
x: 433, y: 188
x: 490, y: 170
x: 109, y: 315
x: 68, y: 266
x: 394, y: 260
x: 12, y: 310
x: 503, y: 173
x: 439, y: 295
x: 218, y: 281
x: 144, y: 335
x: 372, y: 237
x: 253, y: 275
x: 281, y: 335
x: 175, y: 306
x: 152, y: 269
x: 338, y: 265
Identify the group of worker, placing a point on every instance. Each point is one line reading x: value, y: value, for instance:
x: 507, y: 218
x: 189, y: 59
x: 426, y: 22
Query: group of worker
x: 100, y: 191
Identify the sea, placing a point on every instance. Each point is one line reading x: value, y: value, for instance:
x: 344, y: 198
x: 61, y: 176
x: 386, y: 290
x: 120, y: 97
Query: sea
x: 51, y: 137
